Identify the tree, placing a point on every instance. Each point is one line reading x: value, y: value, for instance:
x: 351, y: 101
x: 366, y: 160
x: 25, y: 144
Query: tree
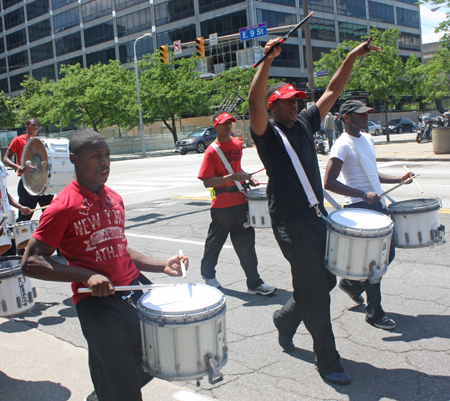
x: 172, y: 90
x: 437, y: 72
x: 8, y: 112
x: 444, y: 26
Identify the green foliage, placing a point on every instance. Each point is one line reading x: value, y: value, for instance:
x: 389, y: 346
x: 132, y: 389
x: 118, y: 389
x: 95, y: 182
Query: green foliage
x: 437, y: 72
x: 8, y: 112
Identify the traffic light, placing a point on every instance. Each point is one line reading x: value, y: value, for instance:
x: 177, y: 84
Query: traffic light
x: 200, y: 49
x: 163, y: 53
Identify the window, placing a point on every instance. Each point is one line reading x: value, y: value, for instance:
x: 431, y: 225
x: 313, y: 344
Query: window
x: 66, y: 20
x: 319, y: 5
x: 2, y: 45
x: 4, y: 85
x: 289, y: 57
x: 282, y: 2
x: 3, y: 66
x: 412, y: 2
x: 45, y: 72
x: 126, y: 51
x: 322, y: 29
x: 351, y: 8
x: 349, y: 31
x: 409, y: 41
x: 68, y: 44
x: 122, y: 4
x: 16, y: 39
x: 37, y: 8
x: 60, y: 3
x: 102, y: 56
x: 408, y: 18
x: 98, y: 34
x: 96, y: 9
x: 41, y: 52
x: 316, y: 53
x: 173, y: 10
x: 10, y: 3
x: 1, y: 25
x: 18, y: 60
x: 381, y: 12
x: 225, y: 24
x: 135, y: 22
x: 185, y: 34
x: 40, y: 30
x: 210, y: 5
x: 275, y: 19
x: 14, y: 18
x: 70, y: 61
x: 16, y: 81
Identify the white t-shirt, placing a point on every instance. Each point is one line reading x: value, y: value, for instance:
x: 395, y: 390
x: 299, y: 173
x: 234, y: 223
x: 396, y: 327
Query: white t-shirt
x: 5, y: 207
x: 352, y: 174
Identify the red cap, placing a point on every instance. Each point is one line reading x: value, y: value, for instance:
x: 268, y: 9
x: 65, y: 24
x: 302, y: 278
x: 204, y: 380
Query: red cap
x: 222, y: 118
x: 285, y: 92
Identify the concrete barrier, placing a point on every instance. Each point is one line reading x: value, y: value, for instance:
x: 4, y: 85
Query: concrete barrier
x: 441, y: 141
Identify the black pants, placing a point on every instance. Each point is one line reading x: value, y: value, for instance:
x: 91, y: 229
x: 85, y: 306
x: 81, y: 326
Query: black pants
x: 112, y: 330
x: 374, y: 310
x: 230, y: 220
x: 303, y: 245
x: 25, y: 199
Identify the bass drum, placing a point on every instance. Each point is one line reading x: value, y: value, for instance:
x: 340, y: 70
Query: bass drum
x: 47, y: 165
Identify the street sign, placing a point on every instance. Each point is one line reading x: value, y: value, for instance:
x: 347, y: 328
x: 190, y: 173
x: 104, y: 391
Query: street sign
x: 177, y: 47
x: 213, y: 39
x: 253, y: 31
x: 321, y: 74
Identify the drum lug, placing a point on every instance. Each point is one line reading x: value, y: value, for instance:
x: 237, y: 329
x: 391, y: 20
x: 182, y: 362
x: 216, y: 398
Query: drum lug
x: 406, y: 238
x: 34, y: 292
x: 214, y: 375
x: 19, y: 302
x: 4, y: 307
x: 30, y: 296
x: 419, y: 235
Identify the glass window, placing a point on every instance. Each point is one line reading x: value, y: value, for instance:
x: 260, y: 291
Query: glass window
x: 96, y: 9
x: 135, y: 22
x: 349, y: 31
x: 319, y: 5
x: 2, y: 45
x: 45, y: 72
x: 4, y: 85
x: 210, y: 5
x: 41, y: 52
x: 322, y: 29
x: 40, y: 30
x: 10, y: 3
x: 102, y: 56
x: 18, y: 60
x: 126, y: 51
x: 68, y: 44
x: 407, y: 18
x: 3, y: 66
x: 185, y: 34
x: 316, y: 53
x: 282, y: 2
x: 1, y: 24
x: 99, y: 34
x: 289, y: 57
x: 225, y: 24
x: 173, y: 10
x: 409, y: 41
x: 413, y: 2
x: 70, y: 61
x: 37, y: 8
x: 16, y: 81
x: 122, y: 4
x: 65, y: 20
x: 61, y: 3
x: 275, y: 19
x: 351, y: 8
x: 14, y: 18
x: 381, y: 12
x: 16, y: 39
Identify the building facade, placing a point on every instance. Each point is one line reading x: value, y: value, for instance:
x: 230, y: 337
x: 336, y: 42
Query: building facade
x: 37, y: 37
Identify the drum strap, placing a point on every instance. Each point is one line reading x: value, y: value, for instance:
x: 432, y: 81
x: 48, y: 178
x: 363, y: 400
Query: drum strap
x: 226, y: 164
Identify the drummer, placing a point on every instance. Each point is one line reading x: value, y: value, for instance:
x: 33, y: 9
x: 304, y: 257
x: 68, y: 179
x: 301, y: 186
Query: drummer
x: 359, y: 193
x: 86, y: 220
x: 16, y: 148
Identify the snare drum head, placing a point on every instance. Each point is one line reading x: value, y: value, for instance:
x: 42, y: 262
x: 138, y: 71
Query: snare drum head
x: 181, y: 298
x: 360, y: 219
x: 257, y: 194
x: 415, y: 205
x: 36, y: 175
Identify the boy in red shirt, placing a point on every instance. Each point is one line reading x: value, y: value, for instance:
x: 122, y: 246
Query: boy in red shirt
x: 229, y: 208
x: 87, y: 222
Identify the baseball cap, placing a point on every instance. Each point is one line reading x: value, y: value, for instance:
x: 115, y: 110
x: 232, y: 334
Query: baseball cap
x: 354, y: 106
x: 222, y: 118
x: 285, y: 92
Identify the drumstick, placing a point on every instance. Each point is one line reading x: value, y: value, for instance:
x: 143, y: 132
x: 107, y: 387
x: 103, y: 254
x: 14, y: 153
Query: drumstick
x: 367, y: 47
x: 183, y: 267
x: 128, y: 287
x: 398, y: 185
x: 414, y: 181
x: 39, y: 208
x: 5, y: 216
x: 257, y: 171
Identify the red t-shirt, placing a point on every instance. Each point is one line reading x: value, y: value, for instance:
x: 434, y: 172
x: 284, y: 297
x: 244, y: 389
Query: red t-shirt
x: 17, y: 145
x: 89, y: 230
x: 212, y: 166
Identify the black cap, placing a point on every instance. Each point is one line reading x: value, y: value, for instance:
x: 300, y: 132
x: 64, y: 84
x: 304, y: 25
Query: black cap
x: 354, y: 106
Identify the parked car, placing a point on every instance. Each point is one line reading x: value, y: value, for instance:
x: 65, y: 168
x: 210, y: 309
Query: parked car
x: 374, y: 129
x: 198, y: 140
x: 401, y: 125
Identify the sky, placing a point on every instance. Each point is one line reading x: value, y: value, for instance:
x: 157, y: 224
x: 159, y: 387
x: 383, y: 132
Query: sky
x: 429, y: 21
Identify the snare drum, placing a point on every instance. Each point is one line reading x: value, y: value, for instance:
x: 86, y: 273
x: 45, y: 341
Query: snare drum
x: 416, y: 223
x: 358, y: 242
x: 16, y: 292
x: 50, y: 169
x: 5, y: 241
x: 183, y: 332
x: 22, y: 232
x: 258, y: 208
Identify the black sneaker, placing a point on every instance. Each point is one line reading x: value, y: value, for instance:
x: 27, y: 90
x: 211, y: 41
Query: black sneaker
x: 358, y: 299
x: 341, y: 378
x: 383, y: 323
x: 284, y: 340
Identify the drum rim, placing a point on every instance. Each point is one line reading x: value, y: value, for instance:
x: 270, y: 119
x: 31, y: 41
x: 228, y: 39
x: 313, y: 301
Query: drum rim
x: 396, y: 207
x: 383, y: 231
x: 257, y: 197
x: 4, y: 273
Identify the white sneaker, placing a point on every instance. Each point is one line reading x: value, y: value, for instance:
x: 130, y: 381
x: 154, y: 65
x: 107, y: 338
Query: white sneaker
x: 212, y: 282
x: 262, y: 289
x: 91, y: 397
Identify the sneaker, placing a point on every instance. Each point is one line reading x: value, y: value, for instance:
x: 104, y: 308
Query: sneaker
x: 285, y: 342
x: 262, y: 289
x: 212, y: 282
x: 336, y: 377
x: 91, y: 397
x: 383, y: 323
x: 358, y: 299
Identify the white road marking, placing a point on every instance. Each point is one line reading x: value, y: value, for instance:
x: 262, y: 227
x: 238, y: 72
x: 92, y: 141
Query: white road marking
x: 179, y: 240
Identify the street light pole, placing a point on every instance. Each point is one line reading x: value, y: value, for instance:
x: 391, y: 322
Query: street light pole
x: 147, y: 35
